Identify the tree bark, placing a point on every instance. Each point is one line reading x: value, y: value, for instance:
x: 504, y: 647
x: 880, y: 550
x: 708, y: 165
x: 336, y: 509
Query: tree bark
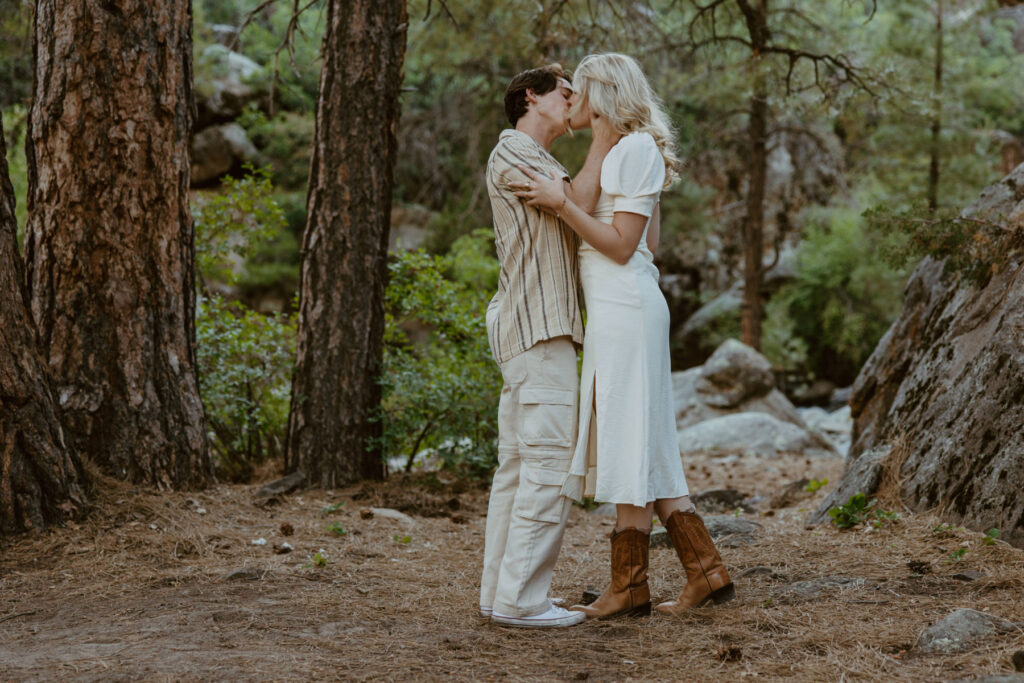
x: 752, y: 307
x: 41, y: 480
x: 109, y: 241
x: 332, y: 428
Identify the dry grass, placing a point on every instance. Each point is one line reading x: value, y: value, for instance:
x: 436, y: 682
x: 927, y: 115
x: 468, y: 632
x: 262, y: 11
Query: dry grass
x: 139, y: 590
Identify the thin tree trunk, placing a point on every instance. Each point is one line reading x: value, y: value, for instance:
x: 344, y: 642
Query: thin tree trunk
x: 332, y: 428
x: 41, y: 480
x: 109, y: 240
x: 933, y: 165
x: 751, y: 307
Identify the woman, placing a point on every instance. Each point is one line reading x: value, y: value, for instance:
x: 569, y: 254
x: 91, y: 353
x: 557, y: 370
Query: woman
x: 627, y: 452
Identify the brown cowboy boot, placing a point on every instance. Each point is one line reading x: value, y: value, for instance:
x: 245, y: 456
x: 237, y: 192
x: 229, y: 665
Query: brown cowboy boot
x: 628, y: 593
x: 706, y: 577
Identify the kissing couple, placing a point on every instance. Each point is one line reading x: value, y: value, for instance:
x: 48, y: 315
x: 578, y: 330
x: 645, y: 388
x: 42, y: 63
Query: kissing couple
x: 611, y: 433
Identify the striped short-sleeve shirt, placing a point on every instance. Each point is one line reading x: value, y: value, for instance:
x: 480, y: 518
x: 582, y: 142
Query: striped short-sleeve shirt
x: 538, y: 288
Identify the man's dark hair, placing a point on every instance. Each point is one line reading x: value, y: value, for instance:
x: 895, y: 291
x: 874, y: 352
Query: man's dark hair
x: 541, y: 81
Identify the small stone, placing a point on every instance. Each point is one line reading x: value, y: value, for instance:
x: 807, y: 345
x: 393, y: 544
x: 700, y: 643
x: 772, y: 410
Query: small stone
x: 791, y: 494
x: 967, y: 576
x: 259, y: 541
x: 815, y: 588
x: 760, y: 571
x: 284, y: 548
x: 958, y: 631
x: 366, y: 513
x: 244, y: 574
x: 388, y: 513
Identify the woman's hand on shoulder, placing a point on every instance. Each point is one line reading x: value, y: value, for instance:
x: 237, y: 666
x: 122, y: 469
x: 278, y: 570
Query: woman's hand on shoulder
x: 543, y: 192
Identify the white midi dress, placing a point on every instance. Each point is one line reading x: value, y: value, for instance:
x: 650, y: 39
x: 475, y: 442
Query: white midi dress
x: 628, y: 452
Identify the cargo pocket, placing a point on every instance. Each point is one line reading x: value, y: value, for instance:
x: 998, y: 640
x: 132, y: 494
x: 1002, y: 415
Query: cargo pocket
x: 542, y: 501
x: 548, y: 416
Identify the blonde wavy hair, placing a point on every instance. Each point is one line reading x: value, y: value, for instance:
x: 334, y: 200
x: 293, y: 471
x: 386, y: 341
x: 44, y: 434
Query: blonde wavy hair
x: 615, y: 87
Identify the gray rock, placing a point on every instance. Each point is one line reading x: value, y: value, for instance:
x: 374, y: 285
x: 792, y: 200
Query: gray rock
x: 791, y: 494
x: 823, y: 586
x: 388, y: 513
x: 734, y: 374
x: 720, y: 500
x: 967, y: 576
x: 711, y: 314
x: 862, y: 476
x: 245, y: 574
x: 946, y: 381
x: 840, y: 398
x: 604, y: 510
x: 725, y: 530
x: 218, y: 149
x: 692, y: 407
x: 761, y: 571
x: 757, y: 434
x: 284, y: 485
x: 224, y: 34
x: 720, y: 526
x: 223, y: 85
x: 960, y: 631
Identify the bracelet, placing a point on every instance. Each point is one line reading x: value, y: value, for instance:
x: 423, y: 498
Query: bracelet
x: 558, y: 211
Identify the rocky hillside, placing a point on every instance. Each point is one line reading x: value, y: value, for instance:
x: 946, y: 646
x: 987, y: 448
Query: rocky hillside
x: 940, y: 404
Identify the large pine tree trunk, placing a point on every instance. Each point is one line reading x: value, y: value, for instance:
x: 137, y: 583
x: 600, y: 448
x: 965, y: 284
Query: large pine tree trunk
x: 109, y: 241
x: 40, y: 478
x: 752, y: 306
x: 335, y: 392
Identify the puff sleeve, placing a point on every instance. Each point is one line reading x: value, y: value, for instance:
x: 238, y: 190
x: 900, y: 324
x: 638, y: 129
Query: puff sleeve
x: 633, y: 174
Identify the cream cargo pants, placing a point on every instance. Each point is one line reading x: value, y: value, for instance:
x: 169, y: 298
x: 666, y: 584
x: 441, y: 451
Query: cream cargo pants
x: 537, y: 418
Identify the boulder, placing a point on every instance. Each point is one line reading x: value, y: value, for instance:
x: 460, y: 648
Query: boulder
x: 862, y: 476
x: 757, y: 434
x: 219, y: 149
x: 223, y: 85
x: 945, y: 380
x: 734, y: 373
x: 960, y: 631
x: 692, y: 406
x: 694, y: 341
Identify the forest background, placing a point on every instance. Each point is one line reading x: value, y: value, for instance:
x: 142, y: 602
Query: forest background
x: 917, y: 108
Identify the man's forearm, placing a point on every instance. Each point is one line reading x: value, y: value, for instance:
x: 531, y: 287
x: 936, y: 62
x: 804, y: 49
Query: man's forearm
x: 585, y: 188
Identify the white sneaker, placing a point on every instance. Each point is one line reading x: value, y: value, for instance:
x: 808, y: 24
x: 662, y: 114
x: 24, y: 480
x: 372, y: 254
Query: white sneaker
x: 485, y: 612
x: 555, y: 617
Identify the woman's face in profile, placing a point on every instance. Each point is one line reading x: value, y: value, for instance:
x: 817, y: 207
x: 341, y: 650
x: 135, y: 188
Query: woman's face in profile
x: 579, y: 117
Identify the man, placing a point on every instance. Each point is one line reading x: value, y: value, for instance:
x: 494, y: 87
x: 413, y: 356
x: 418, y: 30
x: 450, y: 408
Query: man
x: 534, y: 326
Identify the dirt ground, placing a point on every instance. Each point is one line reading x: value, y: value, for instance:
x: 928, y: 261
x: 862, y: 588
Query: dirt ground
x: 147, y: 588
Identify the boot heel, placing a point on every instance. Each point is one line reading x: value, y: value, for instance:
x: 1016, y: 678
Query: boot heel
x: 724, y: 594
x: 643, y: 610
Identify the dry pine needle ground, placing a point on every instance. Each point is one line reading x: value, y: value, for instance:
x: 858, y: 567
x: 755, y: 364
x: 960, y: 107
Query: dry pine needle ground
x: 141, y: 589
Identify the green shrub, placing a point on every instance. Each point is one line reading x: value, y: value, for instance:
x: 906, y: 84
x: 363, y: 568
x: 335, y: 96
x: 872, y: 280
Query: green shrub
x: 441, y: 393
x: 245, y: 358
x: 245, y: 366
x: 842, y: 301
